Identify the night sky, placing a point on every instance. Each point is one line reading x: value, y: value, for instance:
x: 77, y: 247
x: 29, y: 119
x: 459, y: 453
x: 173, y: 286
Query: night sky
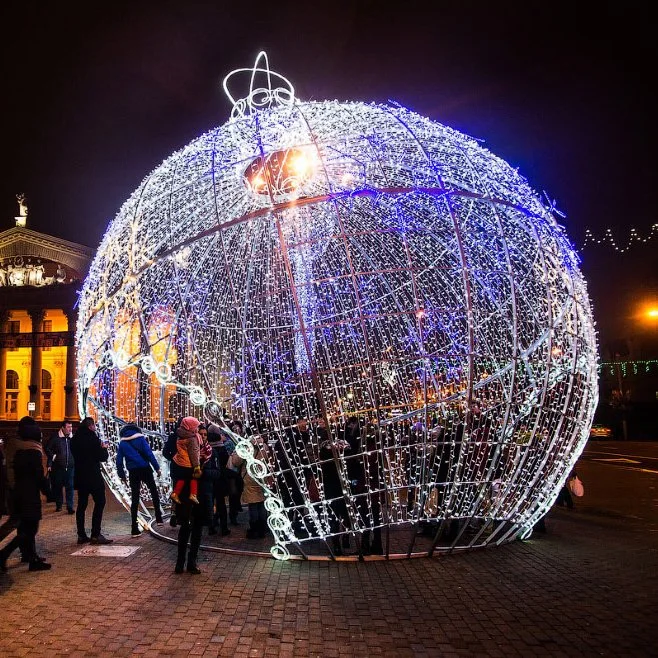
x: 95, y: 98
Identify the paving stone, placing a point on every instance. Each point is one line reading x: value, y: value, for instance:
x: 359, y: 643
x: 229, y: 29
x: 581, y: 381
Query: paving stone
x: 585, y: 588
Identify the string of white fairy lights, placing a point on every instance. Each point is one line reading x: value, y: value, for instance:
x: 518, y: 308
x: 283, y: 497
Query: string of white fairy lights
x: 607, y: 237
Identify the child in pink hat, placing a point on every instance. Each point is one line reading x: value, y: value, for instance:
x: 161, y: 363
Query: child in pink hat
x: 188, y: 447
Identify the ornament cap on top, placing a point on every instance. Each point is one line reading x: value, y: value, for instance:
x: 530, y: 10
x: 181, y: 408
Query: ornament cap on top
x: 266, y: 89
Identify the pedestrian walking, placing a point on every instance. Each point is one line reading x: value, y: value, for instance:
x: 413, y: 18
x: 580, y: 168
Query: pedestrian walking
x: 60, y: 466
x: 140, y: 461
x: 88, y: 454
x: 29, y: 482
x: 9, y: 450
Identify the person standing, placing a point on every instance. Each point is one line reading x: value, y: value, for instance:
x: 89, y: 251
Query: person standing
x: 234, y: 478
x: 3, y: 480
x: 88, y: 453
x: 29, y: 483
x: 136, y: 452
x: 189, y: 512
x: 254, y: 494
x: 10, y: 447
x: 60, y: 465
x: 220, y: 455
x: 210, y: 473
x: 332, y: 458
x: 187, y: 460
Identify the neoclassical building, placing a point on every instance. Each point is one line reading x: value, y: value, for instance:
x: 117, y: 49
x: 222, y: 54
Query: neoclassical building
x: 39, y: 277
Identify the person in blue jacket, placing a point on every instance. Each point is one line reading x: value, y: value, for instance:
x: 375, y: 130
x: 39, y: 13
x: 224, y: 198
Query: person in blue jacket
x: 135, y: 450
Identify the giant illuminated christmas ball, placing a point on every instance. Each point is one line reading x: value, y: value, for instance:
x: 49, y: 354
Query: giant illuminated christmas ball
x: 374, y: 272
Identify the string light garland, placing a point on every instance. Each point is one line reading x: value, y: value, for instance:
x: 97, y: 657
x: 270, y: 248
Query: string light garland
x: 372, y: 271
x: 635, y: 366
x: 608, y: 238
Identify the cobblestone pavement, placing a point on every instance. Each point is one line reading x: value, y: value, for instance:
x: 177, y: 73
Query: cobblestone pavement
x: 585, y: 588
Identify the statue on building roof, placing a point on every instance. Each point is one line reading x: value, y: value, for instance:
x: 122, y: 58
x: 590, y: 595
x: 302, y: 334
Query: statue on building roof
x: 21, y: 220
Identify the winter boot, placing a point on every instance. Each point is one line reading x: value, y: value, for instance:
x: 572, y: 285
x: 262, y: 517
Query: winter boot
x: 180, y: 558
x: 191, y: 564
x: 252, y: 531
x: 262, y: 529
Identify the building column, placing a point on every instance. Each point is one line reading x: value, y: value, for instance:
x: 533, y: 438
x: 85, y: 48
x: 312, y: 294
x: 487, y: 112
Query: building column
x: 37, y: 317
x: 71, y: 404
x: 4, y: 316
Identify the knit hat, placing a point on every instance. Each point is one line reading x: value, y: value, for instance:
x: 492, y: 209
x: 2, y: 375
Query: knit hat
x: 213, y: 430
x: 188, y: 427
x: 28, y: 430
x: 130, y: 431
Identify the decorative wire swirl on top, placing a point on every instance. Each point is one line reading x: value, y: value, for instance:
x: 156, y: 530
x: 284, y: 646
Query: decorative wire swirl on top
x: 260, y: 97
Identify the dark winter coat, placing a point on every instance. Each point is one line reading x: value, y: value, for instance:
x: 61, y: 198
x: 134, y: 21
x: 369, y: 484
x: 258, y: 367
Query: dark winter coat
x: 29, y: 480
x: 58, y: 450
x: 217, y: 468
x: 3, y: 482
x: 11, y: 445
x: 88, y: 453
x: 331, y: 479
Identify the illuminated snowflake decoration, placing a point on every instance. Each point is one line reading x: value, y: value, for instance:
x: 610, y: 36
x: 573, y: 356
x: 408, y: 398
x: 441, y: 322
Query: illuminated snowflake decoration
x: 354, y: 264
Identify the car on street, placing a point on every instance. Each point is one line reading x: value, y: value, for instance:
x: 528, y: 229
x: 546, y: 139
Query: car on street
x: 599, y: 431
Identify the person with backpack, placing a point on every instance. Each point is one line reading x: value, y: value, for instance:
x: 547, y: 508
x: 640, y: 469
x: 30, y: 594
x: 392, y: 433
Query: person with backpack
x: 140, y: 461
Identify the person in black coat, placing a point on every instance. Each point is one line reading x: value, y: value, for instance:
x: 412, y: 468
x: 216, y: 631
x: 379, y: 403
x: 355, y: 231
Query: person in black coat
x: 60, y: 465
x: 190, y: 520
x: 210, y: 472
x: 220, y: 455
x: 332, y: 458
x: 8, y: 450
x: 29, y: 483
x: 88, y: 453
x: 234, y: 479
